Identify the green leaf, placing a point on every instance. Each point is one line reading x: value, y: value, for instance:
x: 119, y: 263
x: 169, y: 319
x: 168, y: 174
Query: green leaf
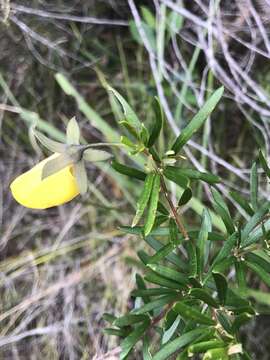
x: 128, y: 343
x: 162, y: 253
x: 264, y: 164
x: 197, y: 120
x: 132, y: 131
x: 159, y: 119
x: 169, y: 273
x: 242, y: 202
x: 254, y: 186
x: 260, y: 258
x: 206, y: 227
x: 219, y: 199
x: 94, y: 155
x: 52, y: 145
x: 129, y: 171
x: 168, y: 334
x: 222, y: 286
x: 224, y: 252
x: 222, y: 209
x: 151, y: 292
x: 153, y: 203
x: 203, y: 346
x: 73, y: 132
x: 156, y: 304
x: 224, y: 321
x: 178, y: 343
x: 173, y: 232
x: 129, y: 113
x: 191, y: 313
x: 172, y: 257
x: 198, y: 175
x: 154, y: 278
x: 81, y: 177
x: 144, y: 135
x: 129, y: 319
x: 254, y: 220
x: 109, y: 317
x: 265, y: 276
x: 56, y: 164
x: 240, y: 275
x: 144, y: 198
x: 174, y: 174
x: 216, y: 354
x: 193, y: 260
x: 185, y: 197
x: 203, y: 295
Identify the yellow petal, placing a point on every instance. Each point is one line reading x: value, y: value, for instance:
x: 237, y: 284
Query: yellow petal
x: 30, y: 191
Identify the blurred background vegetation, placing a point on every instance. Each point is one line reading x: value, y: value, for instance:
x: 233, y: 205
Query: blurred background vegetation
x: 62, y: 268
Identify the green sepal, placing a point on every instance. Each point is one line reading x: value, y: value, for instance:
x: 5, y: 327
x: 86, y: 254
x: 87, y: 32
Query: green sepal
x: 73, y: 132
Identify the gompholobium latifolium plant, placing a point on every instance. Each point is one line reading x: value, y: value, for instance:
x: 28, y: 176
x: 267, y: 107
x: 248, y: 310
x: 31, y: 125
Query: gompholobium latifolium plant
x: 191, y: 300
x: 192, y: 297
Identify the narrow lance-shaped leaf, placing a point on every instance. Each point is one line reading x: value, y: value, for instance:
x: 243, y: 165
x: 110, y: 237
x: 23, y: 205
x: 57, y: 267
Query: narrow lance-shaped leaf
x: 174, y: 174
x: 185, y: 197
x: 197, y: 120
x: 222, y: 286
x: 128, y: 170
x: 128, y: 343
x: 55, y: 165
x: 254, y: 186
x: 144, y: 198
x: 242, y: 202
x: 191, y: 313
x: 223, y: 253
x: 168, y: 334
x: 81, y: 177
x: 169, y: 273
x: 129, y: 319
x: 203, y: 346
x: 264, y: 164
x: 254, y: 220
x: 159, y: 118
x: 203, y: 295
x: 156, y: 304
x: 154, y: 278
x: 73, y: 132
x: 161, y: 253
x: 265, y: 276
x: 193, y: 174
x: 178, y: 343
x: 206, y: 227
x: 173, y: 232
x: 153, y: 203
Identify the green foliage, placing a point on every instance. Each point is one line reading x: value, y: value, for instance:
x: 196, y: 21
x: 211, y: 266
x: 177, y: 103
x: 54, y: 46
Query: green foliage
x: 184, y: 303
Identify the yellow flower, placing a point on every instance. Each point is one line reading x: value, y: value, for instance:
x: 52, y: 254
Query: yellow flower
x: 30, y: 190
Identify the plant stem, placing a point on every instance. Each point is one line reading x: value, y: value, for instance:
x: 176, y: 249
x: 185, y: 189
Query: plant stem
x: 176, y: 216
